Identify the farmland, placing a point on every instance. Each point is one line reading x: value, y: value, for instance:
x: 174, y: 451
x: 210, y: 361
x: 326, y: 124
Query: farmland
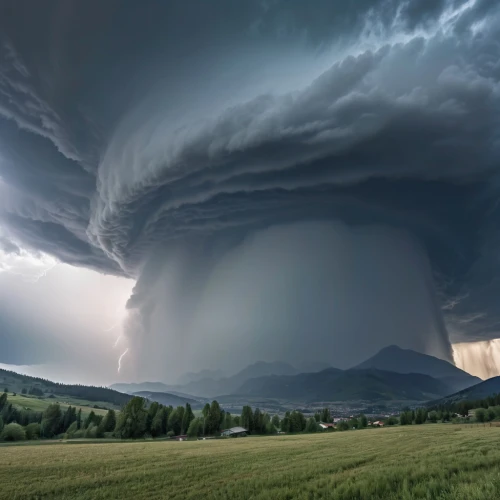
x: 429, y: 461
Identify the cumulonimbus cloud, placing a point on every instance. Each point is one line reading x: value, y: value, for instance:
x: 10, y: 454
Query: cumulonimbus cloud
x: 119, y: 157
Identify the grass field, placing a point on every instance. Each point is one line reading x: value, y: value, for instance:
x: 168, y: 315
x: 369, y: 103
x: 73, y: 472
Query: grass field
x: 36, y: 404
x: 429, y: 461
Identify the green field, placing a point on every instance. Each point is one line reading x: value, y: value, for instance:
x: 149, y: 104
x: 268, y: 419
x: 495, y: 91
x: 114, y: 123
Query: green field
x: 37, y: 404
x: 427, y: 461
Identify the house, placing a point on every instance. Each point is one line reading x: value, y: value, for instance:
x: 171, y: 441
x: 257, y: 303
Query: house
x: 327, y: 426
x: 234, y: 432
x: 378, y: 423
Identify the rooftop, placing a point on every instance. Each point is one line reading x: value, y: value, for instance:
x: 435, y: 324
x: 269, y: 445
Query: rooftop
x: 235, y: 430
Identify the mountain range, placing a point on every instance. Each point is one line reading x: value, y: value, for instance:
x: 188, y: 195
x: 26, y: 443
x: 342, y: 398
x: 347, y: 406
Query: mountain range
x: 211, y: 387
x: 348, y: 385
x: 391, y: 374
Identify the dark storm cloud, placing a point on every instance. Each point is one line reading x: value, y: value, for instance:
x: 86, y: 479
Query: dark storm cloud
x: 133, y: 135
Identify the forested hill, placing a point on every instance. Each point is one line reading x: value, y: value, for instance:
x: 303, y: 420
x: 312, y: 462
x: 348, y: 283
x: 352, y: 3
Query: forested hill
x: 15, y: 382
x: 487, y: 388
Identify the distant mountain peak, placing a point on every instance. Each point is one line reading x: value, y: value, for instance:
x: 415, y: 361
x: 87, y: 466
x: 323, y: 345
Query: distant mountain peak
x: 396, y: 359
x: 394, y: 347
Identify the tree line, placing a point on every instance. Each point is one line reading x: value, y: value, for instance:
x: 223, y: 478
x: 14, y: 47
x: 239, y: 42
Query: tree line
x: 139, y: 418
x: 463, y: 407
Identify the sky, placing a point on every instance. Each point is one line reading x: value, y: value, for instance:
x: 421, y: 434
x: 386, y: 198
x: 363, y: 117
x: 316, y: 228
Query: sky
x: 190, y: 185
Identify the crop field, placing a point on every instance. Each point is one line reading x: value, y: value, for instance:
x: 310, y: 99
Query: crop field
x: 428, y: 461
x: 36, y: 404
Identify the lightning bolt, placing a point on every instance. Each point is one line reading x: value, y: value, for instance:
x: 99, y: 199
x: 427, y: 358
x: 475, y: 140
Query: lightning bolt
x: 120, y: 359
x: 117, y: 340
x: 112, y: 327
x: 26, y: 277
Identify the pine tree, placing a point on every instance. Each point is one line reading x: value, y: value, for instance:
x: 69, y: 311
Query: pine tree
x: 206, y: 410
x: 257, y: 421
x: 109, y: 422
x: 68, y: 418
x: 214, y: 418
x: 175, y: 420
x: 285, y: 424
x: 188, y: 417
x: 246, y: 419
x: 194, y: 428
x: 131, y: 421
x: 276, y: 421
x: 153, y: 409
x: 51, y: 421
x: 297, y: 422
x: 79, y: 419
x: 228, y: 421
x: 3, y: 400
x: 89, y: 420
x: 157, y: 428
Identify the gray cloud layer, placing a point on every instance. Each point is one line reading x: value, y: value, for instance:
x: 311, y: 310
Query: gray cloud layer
x: 153, y: 140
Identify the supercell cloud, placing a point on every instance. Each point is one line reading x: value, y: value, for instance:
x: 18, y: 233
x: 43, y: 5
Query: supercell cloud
x: 283, y: 179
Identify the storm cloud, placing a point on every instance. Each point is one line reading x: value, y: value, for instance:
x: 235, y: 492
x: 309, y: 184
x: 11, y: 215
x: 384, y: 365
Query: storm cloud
x: 276, y: 176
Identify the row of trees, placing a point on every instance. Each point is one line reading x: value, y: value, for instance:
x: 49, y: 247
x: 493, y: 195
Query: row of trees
x: 422, y: 415
x: 463, y: 407
x: 139, y: 418
x: 53, y: 421
x: 487, y: 414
